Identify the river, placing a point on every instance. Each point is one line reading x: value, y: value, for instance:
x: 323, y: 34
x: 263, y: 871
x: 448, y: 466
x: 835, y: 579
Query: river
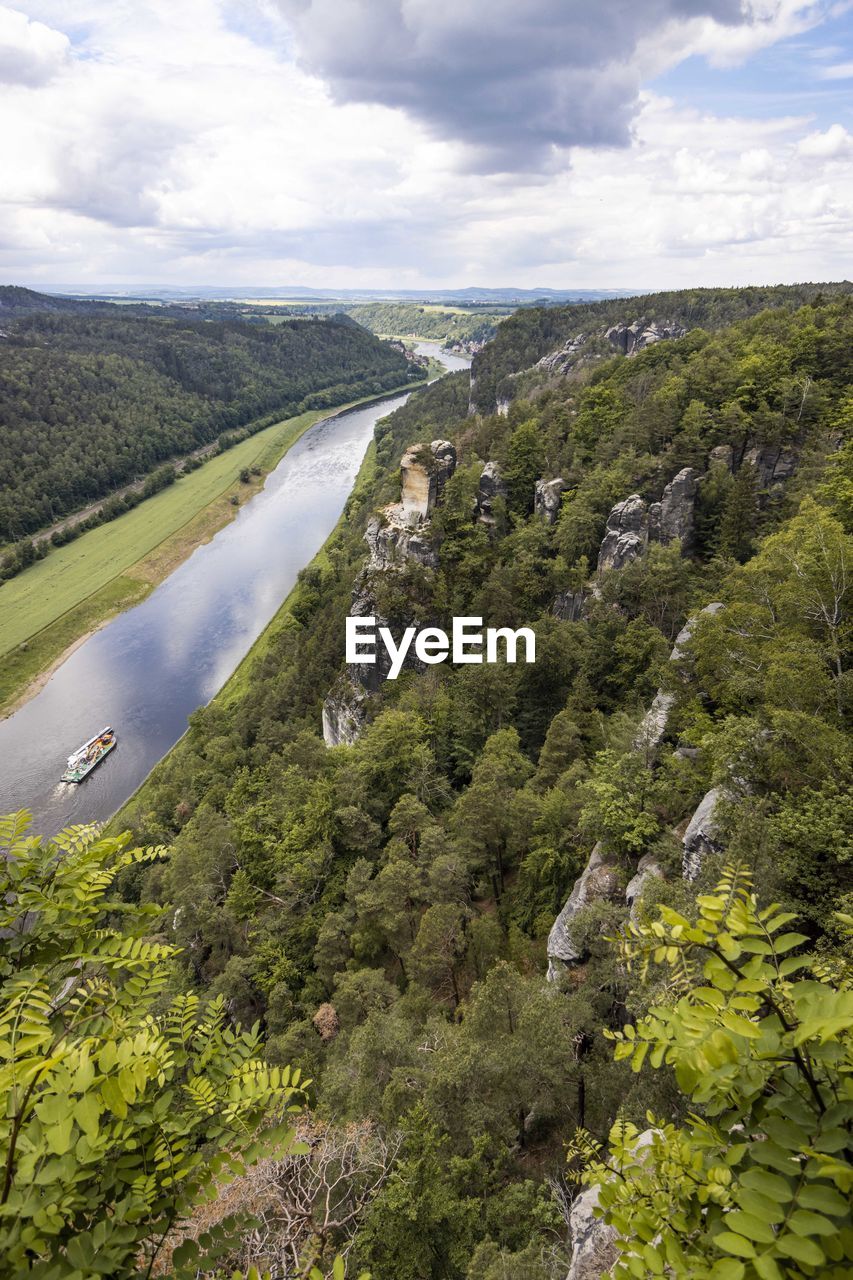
x: 148, y: 669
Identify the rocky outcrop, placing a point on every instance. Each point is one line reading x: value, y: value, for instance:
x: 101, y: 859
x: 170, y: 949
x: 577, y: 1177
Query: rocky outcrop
x: 343, y: 713
x: 628, y: 339
x: 626, y: 535
x: 648, y: 868
x: 490, y: 488
x: 395, y: 537
x: 565, y: 358
x: 653, y: 726
x: 568, y: 605
x: 672, y: 517
x: 702, y: 836
x: 593, y: 1241
x: 599, y: 882
x: 546, y: 499
x: 424, y: 471
x: 773, y: 465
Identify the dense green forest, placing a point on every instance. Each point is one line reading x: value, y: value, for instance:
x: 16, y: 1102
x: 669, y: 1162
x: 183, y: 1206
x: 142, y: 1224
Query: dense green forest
x: 410, y: 320
x: 535, y: 331
x: 383, y: 910
x: 93, y: 397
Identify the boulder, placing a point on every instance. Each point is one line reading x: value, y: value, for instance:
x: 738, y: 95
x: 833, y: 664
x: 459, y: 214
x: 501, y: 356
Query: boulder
x: 546, y: 499
x: 702, y: 835
x: 626, y: 534
x: 593, y: 1241
x: 599, y: 882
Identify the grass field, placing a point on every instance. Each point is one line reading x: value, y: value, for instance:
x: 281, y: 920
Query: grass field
x: 58, y: 600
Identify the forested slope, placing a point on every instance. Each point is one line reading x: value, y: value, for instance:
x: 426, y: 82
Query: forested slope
x: 388, y: 909
x: 534, y: 332
x: 92, y: 397
x: 409, y: 319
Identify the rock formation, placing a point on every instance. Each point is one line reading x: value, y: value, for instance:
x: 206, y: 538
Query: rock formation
x: 568, y: 605
x: 425, y: 470
x: 546, y: 499
x: 627, y: 534
x: 631, y: 338
x: 672, y: 517
x: 343, y: 713
x: 653, y: 726
x: 593, y: 1241
x: 648, y: 868
x: 598, y: 882
x: 490, y: 488
x: 565, y: 358
x: 723, y: 455
x: 395, y: 537
x: 773, y: 465
x: 702, y: 835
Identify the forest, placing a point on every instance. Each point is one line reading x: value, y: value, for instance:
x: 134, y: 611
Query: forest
x: 382, y: 914
x: 452, y: 325
x: 92, y: 397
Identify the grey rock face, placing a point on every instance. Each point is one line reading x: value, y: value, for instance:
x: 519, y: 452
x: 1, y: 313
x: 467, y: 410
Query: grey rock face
x: 546, y: 499
x: 568, y: 605
x: 343, y: 714
x: 564, y: 359
x: 652, y: 728
x: 396, y: 537
x: 593, y: 1241
x: 490, y: 488
x: 702, y: 835
x: 631, y: 338
x: 773, y: 465
x: 626, y: 535
x: 648, y: 868
x: 599, y: 882
x: 676, y: 509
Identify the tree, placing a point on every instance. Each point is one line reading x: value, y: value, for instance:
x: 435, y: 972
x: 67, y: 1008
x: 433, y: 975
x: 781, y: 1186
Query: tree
x: 524, y: 463
x: 123, y: 1108
x: 756, y: 1184
x: 740, y: 515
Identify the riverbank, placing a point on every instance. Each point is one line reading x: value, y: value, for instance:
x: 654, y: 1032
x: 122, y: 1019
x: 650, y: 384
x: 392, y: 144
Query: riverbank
x: 236, y: 684
x: 53, y: 606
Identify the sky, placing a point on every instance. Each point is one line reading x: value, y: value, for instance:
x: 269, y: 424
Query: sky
x: 637, y: 144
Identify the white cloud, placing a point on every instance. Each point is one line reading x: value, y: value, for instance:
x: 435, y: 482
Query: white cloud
x: 839, y: 71
x: 177, y: 144
x: 30, y: 52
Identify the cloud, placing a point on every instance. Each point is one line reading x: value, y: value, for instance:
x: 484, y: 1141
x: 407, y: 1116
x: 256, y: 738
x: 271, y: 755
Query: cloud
x: 840, y: 71
x: 30, y: 52
x: 516, y: 81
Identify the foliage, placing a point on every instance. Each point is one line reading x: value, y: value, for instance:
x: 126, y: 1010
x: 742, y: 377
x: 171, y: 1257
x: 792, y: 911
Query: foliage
x: 123, y: 1107
x: 756, y: 1184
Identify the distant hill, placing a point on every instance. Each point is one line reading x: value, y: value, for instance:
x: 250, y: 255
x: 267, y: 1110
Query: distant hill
x: 471, y: 294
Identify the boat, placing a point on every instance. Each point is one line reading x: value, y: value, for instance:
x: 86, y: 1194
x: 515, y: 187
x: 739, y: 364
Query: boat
x: 83, y: 760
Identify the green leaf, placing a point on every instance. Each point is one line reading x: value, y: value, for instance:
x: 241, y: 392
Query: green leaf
x: 805, y: 1223
x: 823, y: 1198
x: 747, y: 1224
x: 734, y: 1244
x: 801, y: 1250
x: 768, y: 1184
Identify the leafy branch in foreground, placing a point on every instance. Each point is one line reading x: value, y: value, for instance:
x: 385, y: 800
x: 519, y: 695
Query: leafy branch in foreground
x: 122, y: 1110
x: 756, y: 1184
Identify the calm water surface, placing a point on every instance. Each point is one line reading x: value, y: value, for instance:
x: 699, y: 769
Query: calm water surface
x: 148, y: 669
